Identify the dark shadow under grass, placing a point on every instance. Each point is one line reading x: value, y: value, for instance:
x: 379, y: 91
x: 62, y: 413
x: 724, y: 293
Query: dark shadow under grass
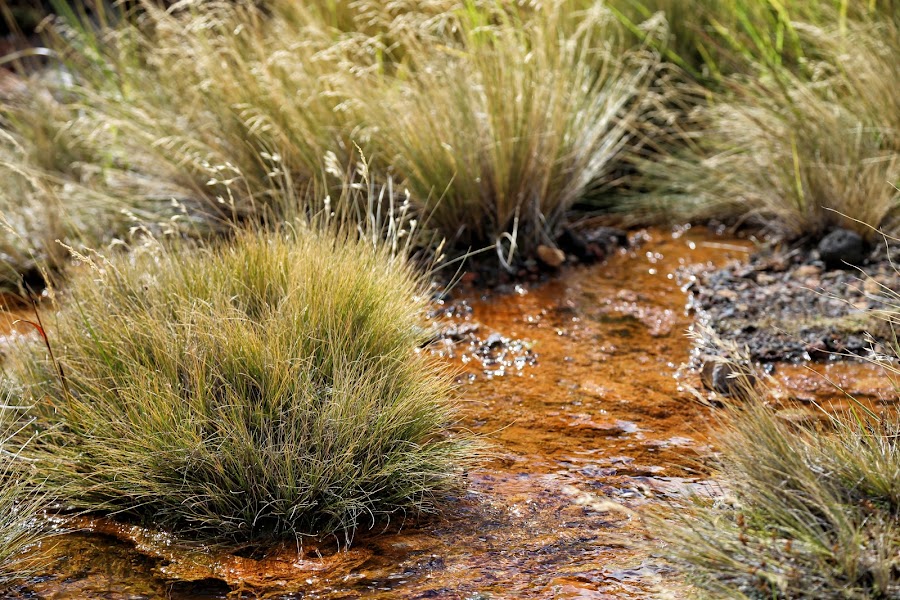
x: 264, y: 390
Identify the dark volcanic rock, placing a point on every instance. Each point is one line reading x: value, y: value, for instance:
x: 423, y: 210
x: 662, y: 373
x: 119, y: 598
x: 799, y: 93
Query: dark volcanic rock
x: 572, y: 242
x: 841, y: 248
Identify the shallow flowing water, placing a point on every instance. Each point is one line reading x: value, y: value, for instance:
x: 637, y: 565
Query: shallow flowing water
x: 572, y: 381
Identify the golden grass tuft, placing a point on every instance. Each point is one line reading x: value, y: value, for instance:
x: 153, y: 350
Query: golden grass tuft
x: 266, y: 389
x: 798, y: 148
x: 806, y: 514
x: 504, y: 132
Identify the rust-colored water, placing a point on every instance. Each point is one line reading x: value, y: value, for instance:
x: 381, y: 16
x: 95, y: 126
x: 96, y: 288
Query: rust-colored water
x: 584, y: 436
x: 835, y: 383
x: 13, y: 315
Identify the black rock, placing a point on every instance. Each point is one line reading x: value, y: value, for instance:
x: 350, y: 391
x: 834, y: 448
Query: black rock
x: 841, y: 248
x: 572, y: 242
x: 591, y: 245
x: 727, y: 379
x: 609, y: 238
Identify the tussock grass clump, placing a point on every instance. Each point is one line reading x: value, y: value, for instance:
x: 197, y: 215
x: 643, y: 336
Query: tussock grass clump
x: 183, y: 121
x: 225, y: 99
x: 38, y: 208
x: 498, y: 118
x: 67, y: 176
x: 808, y: 503
x: 791, y: 146
x: 806, y: 514
x: 523, y: 117
x: 263, y: 390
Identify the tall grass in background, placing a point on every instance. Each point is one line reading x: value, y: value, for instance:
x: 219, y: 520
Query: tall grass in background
x: 709, y: 39
x: 264, y: 389
x: 222, y: 99
x: 791, y: 145
x: 497, y: 118
x: 504, y: 132
x: 40, y: 206
x: 182, y: 121
x: 712, y: 40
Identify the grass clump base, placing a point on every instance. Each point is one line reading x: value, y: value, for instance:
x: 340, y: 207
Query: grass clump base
x: 262, y: 390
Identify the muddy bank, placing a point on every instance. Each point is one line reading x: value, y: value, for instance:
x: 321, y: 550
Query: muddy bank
x: 791, y: 305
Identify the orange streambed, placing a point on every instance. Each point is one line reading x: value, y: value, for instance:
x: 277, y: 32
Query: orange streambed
x: 587, y: 424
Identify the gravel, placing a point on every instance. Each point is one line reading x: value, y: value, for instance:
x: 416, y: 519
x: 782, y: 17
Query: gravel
x: 786, y: 305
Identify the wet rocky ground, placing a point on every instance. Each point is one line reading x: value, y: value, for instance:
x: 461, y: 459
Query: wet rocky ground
x: 794, y: 304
